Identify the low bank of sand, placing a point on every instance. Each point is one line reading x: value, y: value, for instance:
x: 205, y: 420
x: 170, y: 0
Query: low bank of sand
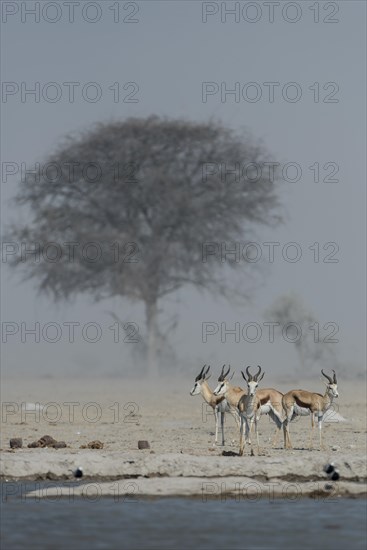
x: 181, y: 459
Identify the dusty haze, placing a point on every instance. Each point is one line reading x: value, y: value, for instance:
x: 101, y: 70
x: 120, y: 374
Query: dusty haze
x: 169, y: 53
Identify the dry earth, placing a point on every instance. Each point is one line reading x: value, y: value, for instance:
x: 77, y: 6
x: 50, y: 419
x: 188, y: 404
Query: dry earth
x: 179, y: 429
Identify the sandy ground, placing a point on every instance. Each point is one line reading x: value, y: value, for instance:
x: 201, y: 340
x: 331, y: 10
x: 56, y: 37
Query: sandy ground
x: 178, y: 427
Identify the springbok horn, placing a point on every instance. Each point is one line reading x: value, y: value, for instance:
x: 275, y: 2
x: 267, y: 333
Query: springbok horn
x: 221, y: 377
x: 326, y: 376
x: 200, y: 375
x: 207, y: 370
x: 243, y: 375
x: 248, y: 374
x: 226, y: 374
x: 335, y: 382
x: 258, y: 372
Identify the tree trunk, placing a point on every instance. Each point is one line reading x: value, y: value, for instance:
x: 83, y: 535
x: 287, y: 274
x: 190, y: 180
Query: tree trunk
x: 151, y: 312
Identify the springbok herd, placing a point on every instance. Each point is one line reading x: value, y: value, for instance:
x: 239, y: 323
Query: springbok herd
x: 248, y: 406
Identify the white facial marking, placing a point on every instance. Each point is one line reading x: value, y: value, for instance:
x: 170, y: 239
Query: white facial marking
x: 221, y: 388
x: 252, y: 386
x: 196, y: 389
x: 334, y: 390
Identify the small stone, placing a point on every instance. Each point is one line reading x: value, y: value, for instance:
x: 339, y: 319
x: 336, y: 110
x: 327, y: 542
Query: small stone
x: 329, y: 468
x: 78, y: 473
x: 335, y: 476
x: 95, y: 444
x: 229, y: 453
x: 59, y: 445
x: 34, y: 445
x: 143, y: 444
x: 47, y: 441
x: 16, y: 443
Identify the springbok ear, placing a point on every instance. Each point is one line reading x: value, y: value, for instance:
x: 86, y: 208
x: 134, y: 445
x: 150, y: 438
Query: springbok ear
x: 232, y: 375
x: 208, y: 377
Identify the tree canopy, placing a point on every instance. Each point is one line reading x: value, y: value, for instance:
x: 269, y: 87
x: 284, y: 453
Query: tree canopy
x: 148, y: 193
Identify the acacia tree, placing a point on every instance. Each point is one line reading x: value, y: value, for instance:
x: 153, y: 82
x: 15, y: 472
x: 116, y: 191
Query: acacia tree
x: 289, y: 308
x: 148, y: 192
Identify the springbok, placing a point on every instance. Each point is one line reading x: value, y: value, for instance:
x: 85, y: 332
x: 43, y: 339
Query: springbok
x: 270, y: 400
x: 218, y: 404
x: 302, y: 402
x: 232, y: 393
x: 257, y: 402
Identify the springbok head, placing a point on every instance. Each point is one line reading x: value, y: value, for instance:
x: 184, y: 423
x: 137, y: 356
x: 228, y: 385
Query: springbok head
x: 252, y: 380
x: 331, y: 384
x: 223, y: 381
x: 201, y: 377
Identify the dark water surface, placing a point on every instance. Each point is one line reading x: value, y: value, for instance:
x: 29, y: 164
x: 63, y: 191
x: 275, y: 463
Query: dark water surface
x: 181, y: 523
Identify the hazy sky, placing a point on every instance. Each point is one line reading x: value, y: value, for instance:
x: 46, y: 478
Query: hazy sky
x: 169, y: 52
